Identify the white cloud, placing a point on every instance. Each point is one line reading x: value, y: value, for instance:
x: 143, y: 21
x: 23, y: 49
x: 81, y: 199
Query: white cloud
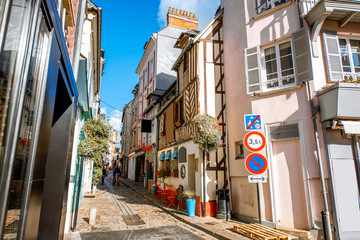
x: 103, y: 110
x: 204, y: 9
x: 115, y: 120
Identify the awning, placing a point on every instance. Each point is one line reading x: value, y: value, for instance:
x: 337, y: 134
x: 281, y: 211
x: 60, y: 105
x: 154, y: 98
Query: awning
x: 147, y: 148
x: 162, y: 156
x: 175, y: 154
x: 351, y: 127
x: 168, y: 155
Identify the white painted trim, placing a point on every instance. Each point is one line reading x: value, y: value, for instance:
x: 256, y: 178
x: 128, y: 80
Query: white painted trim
x: 269, y: 151
x: 309, y: 207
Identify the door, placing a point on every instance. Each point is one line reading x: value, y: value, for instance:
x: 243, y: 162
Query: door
x: 191, y: 172
x: 345, y: 190
x: 289, y: 184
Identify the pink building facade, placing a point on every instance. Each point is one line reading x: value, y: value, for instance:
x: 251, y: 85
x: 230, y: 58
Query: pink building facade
x: 275, y: 54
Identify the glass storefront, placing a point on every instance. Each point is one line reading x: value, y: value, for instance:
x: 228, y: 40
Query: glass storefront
x: 22, y: 74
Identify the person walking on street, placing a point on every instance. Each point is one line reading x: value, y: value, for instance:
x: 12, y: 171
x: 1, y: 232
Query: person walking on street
x: 103, y: 175
x: 117, y: 174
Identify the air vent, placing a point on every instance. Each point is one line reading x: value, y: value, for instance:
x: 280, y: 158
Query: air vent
x: 283, y: 132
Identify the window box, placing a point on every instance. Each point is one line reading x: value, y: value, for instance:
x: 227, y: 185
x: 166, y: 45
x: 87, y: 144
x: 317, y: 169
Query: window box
x: 339, y: 102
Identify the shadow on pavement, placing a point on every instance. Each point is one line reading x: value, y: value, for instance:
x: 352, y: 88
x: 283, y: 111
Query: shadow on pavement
x: 160, y: 233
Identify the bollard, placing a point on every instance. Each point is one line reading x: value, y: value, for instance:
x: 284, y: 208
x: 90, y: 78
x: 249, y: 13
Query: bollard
x: 92, y: 218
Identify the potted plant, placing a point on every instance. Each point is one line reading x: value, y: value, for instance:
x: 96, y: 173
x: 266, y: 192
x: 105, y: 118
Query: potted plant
x: 163, y: 174
x: 190, y: 202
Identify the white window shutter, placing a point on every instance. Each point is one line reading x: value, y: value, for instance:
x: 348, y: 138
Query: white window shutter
x: 333, y: 55
x: 252, y: 70
x: 302, y: 55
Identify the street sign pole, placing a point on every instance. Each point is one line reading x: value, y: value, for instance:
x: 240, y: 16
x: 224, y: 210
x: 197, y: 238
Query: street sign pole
x: 259, y: 203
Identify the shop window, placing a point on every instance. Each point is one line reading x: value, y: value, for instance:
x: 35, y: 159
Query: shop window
x: 174, y: 167
x: 29, y: 110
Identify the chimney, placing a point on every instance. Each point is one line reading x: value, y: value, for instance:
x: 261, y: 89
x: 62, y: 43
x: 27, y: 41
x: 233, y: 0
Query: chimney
x: 181, y: 18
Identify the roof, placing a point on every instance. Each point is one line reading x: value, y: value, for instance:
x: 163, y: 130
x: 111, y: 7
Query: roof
x: 192, y: 40
x: 184, y: 36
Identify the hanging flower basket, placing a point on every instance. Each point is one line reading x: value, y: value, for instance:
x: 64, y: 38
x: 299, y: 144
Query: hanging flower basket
x: 208, y: 134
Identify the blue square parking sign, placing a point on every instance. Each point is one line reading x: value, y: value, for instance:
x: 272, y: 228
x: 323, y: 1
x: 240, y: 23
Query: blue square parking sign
x: 252, y: 122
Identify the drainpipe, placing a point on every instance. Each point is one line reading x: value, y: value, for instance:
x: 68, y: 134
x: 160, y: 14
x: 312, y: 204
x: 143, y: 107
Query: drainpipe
x: 156, y: 143
x: 325, y: 214
x: 146, y: 163
x: 228, y: 166
x: 204, y: 184
x: 355, y: 147
x: 78, y: 36
x: 326, y: 217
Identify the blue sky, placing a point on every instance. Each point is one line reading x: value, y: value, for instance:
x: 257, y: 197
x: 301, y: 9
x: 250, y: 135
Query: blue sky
x: 126, y: 26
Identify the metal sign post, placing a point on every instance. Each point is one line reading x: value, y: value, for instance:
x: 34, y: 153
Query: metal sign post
x: 259, y: 203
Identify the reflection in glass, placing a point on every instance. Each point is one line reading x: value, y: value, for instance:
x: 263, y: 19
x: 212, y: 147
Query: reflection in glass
x: 25, y: 136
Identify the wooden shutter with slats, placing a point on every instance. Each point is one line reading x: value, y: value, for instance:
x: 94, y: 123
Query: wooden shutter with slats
x: 252, y: 69
x: 302, y: 55
x: 333, y: 55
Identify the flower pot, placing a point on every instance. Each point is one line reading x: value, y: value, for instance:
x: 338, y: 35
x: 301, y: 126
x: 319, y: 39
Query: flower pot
x: 153, y: 188
x: 190, y: 205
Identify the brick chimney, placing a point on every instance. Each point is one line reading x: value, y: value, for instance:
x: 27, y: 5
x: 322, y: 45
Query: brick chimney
x: 182, y: 19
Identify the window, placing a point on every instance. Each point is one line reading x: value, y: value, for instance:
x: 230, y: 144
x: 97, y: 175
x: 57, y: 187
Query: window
x: 179, y: 113
x: 263, y: 5
x: 277, y: 69
x: 350, y: 57
x: 186, y: 61
x: 278, y: 64
x: 343, y: 57
x: 239, y: 150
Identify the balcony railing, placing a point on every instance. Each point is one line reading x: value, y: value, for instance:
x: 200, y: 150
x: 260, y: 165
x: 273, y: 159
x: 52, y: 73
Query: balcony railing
x: 307, y: 5
x: 185, y: 132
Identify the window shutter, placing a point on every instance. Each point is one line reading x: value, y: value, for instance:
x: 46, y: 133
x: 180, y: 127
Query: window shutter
x: 252, y: 69
x: 333, y: 55
x: 302, y: 55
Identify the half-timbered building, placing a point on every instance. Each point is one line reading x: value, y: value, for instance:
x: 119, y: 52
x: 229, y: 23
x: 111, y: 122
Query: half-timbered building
x: 200, y: 90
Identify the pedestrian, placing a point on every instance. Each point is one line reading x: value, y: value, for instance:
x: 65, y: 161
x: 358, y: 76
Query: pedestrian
x: 104, y: 174
x: 117, y: 174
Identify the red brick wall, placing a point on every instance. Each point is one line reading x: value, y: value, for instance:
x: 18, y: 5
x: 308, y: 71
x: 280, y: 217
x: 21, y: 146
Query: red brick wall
x: 71, y: 30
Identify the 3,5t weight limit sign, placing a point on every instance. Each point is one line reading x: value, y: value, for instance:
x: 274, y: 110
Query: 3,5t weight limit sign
x: 254, y: 141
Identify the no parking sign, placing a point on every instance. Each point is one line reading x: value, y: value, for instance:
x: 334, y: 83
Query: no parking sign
x: 256, y: 163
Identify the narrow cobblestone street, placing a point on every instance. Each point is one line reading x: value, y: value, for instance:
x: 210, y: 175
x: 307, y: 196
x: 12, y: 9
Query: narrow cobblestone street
x: 123, y: 213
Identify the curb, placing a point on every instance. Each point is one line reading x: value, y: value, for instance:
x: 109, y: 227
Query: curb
x: 214, y: 234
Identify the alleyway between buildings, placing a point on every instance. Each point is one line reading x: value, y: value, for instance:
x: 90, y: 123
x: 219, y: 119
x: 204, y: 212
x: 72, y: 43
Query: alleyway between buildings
x: 129, y: 212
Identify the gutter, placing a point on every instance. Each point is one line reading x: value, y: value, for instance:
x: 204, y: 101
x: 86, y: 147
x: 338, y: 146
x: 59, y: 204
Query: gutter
x: 78, y: 37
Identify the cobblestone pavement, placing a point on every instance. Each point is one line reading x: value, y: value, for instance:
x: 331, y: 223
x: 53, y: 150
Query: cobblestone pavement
x: 117, y: 205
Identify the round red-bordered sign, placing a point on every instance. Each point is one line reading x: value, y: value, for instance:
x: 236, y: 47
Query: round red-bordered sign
x: 254, y: 141
x: 256, y: 163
